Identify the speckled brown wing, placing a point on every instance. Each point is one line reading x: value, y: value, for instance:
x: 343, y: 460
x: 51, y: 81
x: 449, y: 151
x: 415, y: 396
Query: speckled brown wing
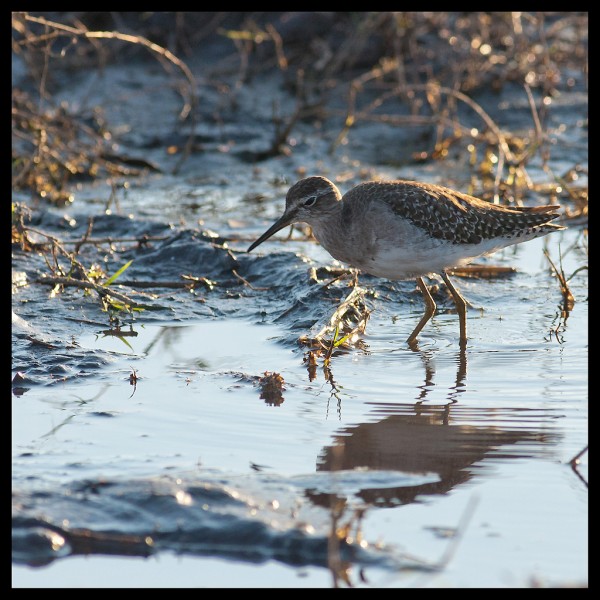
x: 458, y: 218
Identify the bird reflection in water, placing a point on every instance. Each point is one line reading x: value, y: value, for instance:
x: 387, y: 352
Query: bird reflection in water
x: 449, y: 440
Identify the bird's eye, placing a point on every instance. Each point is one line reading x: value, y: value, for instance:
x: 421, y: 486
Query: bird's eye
x: 310, y: 201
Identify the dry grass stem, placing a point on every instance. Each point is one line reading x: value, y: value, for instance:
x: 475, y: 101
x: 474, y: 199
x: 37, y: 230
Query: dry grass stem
x: 568, y: 298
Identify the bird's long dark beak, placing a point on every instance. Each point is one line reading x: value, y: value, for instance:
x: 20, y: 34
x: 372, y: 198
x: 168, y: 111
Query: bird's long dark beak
x: 284, y: 221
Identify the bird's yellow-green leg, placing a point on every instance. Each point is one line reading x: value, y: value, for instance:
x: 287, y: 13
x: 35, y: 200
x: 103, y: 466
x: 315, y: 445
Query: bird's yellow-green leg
x: 461, y: 307
x: 429, y: 310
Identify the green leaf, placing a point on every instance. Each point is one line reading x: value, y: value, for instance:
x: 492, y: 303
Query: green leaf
x: 341, y: 340
x: 112, y: 279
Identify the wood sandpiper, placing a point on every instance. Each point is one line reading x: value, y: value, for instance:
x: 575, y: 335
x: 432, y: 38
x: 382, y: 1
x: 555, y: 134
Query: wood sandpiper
x: 408, y: 230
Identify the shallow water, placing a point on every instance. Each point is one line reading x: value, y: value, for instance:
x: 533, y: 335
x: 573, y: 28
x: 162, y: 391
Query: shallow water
x: 426, y: 443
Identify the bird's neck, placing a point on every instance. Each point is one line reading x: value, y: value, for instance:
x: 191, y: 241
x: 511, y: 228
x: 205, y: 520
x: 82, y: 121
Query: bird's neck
x: 328, y: 227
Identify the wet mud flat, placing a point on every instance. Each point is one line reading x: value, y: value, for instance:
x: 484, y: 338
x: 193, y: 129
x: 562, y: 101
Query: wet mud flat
x: 189, y: 408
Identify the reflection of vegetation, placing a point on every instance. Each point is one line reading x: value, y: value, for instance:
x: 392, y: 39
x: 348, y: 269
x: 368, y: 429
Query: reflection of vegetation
x: 168, y: 336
